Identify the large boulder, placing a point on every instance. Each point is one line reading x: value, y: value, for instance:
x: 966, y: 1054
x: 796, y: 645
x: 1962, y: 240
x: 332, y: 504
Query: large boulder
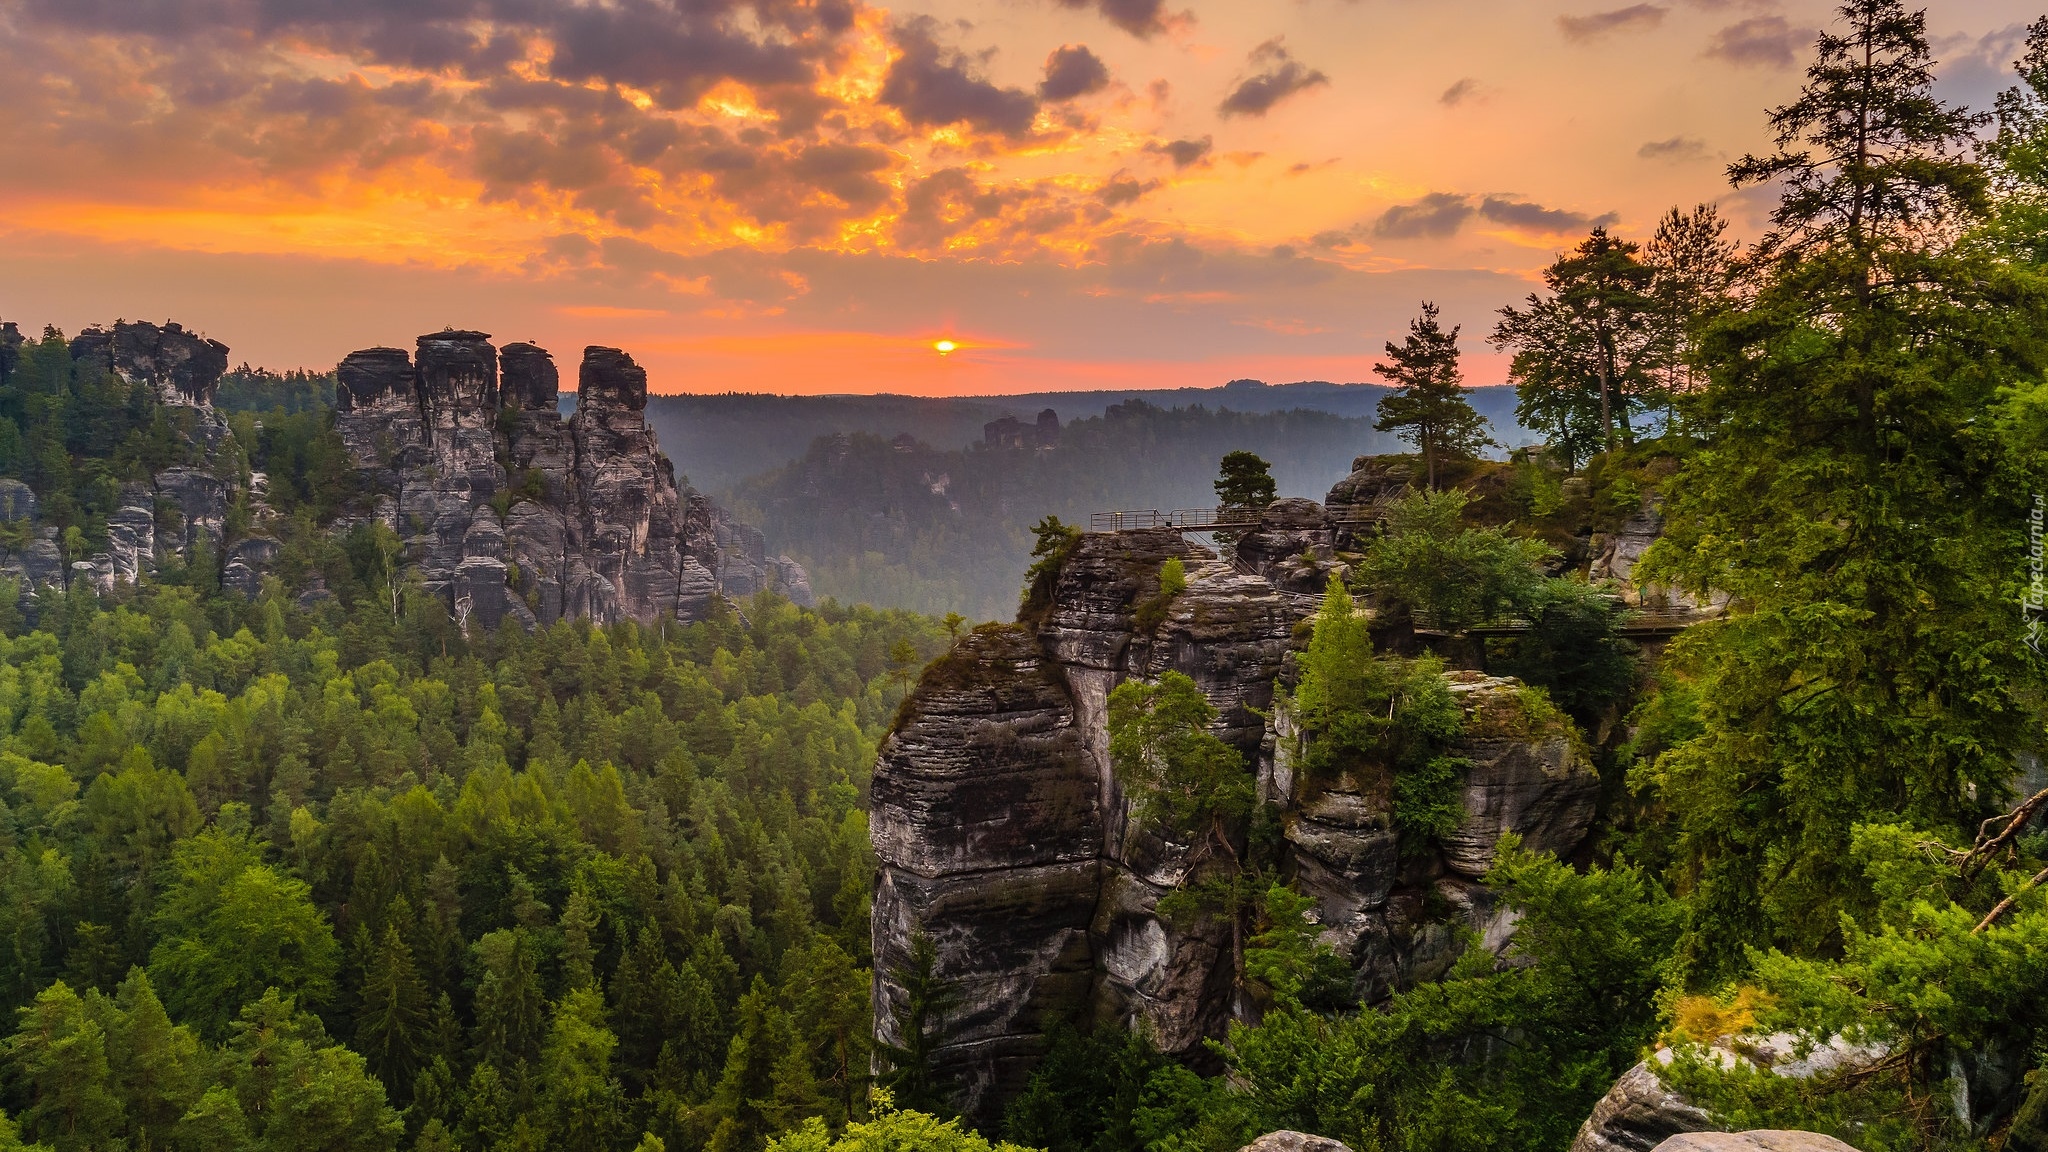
x: 1295, y: 1142
x: 1761, y: 1140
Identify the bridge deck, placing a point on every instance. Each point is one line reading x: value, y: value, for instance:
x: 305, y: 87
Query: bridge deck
x: 1207, y: 519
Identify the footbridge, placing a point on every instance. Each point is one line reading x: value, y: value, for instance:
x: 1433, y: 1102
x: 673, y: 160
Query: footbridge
x: 1214, y: 519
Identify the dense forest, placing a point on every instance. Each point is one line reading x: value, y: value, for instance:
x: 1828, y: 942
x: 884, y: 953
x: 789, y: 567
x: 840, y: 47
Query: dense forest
x: 289, y: 878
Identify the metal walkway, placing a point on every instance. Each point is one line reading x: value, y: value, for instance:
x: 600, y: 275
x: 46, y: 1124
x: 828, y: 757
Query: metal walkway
x: 1209, y: 519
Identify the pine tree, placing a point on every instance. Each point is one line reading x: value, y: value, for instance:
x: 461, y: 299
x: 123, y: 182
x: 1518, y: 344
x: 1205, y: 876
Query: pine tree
x: 913, y: 1078
x: 1428, y: 406
x: 394, y: 1022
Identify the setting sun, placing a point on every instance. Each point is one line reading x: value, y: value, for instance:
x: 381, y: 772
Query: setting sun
x: 944, y: 346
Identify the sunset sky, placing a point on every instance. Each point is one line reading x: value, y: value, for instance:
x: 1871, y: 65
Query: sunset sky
x: 804, y: 195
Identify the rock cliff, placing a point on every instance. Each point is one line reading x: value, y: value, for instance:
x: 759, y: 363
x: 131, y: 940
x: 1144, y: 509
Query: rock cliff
x: 1003, y: 834
x: 178, y: 513
x: 509, y: 511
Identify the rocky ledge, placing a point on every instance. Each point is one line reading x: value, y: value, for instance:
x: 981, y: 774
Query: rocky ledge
x: 1004, y: 836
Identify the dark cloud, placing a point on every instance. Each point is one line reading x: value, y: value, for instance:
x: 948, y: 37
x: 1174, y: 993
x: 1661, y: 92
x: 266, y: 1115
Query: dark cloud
x: 1122, y: 189
x: 1458, y: 93
x: 1072, y: 70
x: 1141, y: 18
x: 1280, y: 75
x: 1593, y: 25
x: 1439, y: 215
x: 1434, y: 217
x: 1676, y: 148
x: 1760, y: 41
x: 1183, y: 152
x: 933, y: 87
x: 1536, y: 218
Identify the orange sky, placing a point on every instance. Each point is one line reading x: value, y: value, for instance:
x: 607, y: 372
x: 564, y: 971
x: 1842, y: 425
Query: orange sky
x: 803, y: 195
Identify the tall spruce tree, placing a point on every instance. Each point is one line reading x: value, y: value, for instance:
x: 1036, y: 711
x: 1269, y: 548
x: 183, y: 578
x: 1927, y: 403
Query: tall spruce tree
x: 1428, y: 406
x: 1853, y: 503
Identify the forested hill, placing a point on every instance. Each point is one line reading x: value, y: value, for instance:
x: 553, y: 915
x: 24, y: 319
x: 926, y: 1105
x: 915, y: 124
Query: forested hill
x: 720, y: 440
x: 880, y: 522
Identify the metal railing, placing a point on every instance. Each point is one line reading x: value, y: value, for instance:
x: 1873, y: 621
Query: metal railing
x: 1210, y: 519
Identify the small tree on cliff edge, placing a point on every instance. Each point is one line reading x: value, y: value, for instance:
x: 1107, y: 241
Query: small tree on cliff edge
x: 1244, y: 486
x: 1428, y: 406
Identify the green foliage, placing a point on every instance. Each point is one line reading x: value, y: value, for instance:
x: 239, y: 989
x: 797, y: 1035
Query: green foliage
x: 1428, y: 407
x: 1848, y: 499
x: 1366, y: 715
x: 1574, y: 650
x: 1179, y: 776
x: 1055, y: 542
x: 1245, y: 482
x: 1446, y: 574
x: 1087, y: 1093
x: 525, y: 885
x: 891, y: 1131
x: 1151, y: 611
x: 1591, y: 350
x: 921, y: 1027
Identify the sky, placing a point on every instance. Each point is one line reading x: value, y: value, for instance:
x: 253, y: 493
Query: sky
x: 808, y: 196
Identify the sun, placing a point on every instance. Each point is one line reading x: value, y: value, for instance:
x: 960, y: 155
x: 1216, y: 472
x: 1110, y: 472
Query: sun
x: 944, y: 346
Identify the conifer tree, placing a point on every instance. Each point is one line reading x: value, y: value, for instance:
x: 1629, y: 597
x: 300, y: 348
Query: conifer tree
x: 913, y: 1079
x: 1428, y: 406
x: 394, y: 1019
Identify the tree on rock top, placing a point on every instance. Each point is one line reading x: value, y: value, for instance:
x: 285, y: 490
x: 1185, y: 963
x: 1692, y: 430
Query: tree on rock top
x: 1428, y: 407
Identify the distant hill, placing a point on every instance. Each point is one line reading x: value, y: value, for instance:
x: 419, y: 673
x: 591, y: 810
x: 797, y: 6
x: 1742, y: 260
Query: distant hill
x: 720, y: 440
x: 910, y: 524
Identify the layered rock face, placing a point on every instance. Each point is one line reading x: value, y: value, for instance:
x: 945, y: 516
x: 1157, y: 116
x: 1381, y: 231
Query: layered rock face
x: 180, y: 513
x: 184, y: 367
x: 510, y: 512
x: 1004, y: 835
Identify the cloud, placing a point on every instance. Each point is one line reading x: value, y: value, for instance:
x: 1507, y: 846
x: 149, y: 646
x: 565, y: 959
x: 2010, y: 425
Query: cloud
x: 1536, y: 218
x: 1184, y: 152
x: 1676, y: 148
x: 933, y: 87
x: 1280, y: 76
x: 1439, y: 216
x: 1592, y: 26
x: 1760, y: 41
x: 1458, y: 93
x: 1122, y: 189
x: 1141, y: 18
x: 1436, y: 216
x: 1072, y: 70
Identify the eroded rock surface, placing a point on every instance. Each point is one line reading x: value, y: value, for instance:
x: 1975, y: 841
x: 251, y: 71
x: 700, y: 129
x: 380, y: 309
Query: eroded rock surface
x: 1295, y: 1142
x: 510, y: 512
x: 1005, y: 836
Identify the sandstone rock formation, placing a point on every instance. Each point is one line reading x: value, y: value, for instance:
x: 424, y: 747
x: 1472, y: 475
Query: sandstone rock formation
x: 1004, y: 835
x: 508, y: 511
x: 1641, y: 1112
x: 1295, y: 1142
x: 1761, y: 1140
x: 184, y: 367
x: 178, y: 513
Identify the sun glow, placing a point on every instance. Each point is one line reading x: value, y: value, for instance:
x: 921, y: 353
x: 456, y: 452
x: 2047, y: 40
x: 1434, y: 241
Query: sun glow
x: 944, y: 346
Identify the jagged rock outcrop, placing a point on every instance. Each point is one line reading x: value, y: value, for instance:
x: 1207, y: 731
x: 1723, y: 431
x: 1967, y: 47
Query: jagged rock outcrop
x: 1641, y: 1112
x: 177, y: 513
x: 1616, y: 554
x: 1003, y: 833
x: 184, y: 367
x: 508, y: 511
x: 1294, y: 547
